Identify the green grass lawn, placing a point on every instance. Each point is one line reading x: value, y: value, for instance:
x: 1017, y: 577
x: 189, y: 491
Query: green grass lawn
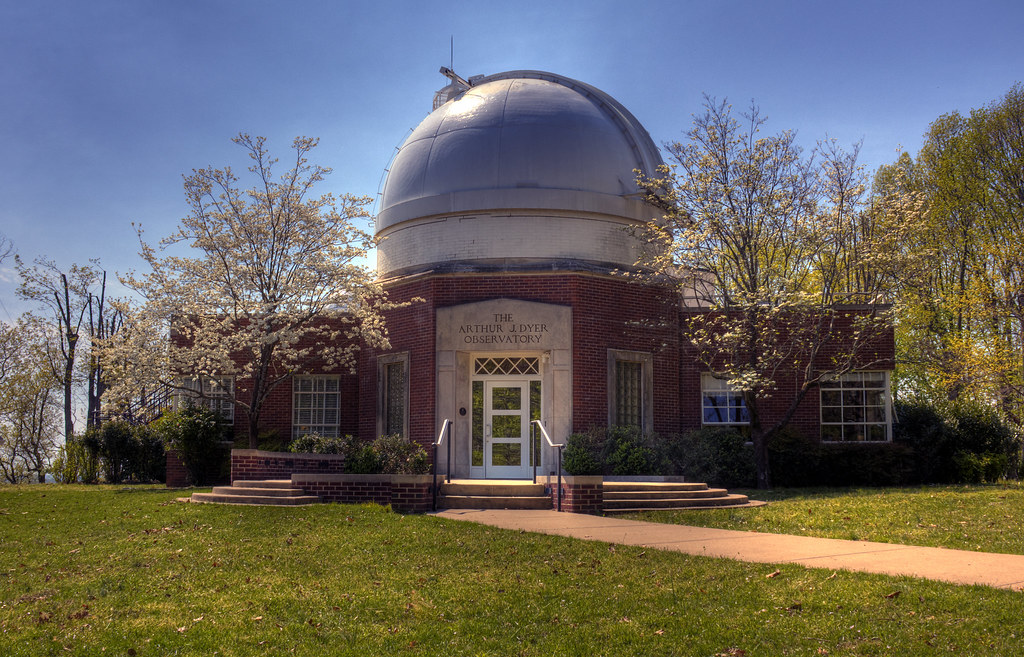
x: 107, y: 571
x: 986, y: 518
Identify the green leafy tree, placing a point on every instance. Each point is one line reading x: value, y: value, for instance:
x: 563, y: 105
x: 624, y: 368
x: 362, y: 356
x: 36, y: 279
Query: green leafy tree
x: 29, y: 400
x: 961, y: 328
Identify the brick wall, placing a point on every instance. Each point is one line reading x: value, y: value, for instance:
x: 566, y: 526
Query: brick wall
x: 177, y: 476
x: 579, y: 494
x: 608, y: 313
x: 254, y: 464
x: 405, y: 493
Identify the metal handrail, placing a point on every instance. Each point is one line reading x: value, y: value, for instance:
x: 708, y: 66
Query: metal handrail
x: 533, y: 449
x: 446, y: 429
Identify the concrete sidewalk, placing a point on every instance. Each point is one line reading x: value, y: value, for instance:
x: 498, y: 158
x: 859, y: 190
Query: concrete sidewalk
x: 956, y: 566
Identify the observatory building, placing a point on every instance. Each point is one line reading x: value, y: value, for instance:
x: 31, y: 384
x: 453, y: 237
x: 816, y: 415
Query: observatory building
x: 507, y: 219
x: 511, y: 211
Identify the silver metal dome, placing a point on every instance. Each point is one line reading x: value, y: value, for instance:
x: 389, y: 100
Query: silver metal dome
x: 522, y: 144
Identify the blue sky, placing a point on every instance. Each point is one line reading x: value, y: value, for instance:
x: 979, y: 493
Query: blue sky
x: 105, y: 104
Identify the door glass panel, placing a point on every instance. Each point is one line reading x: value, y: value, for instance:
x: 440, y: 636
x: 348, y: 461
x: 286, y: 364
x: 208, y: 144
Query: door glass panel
x: 478, y: 423
x: 535, y: 415
x: 506, y: 454
x: 506, y: 426
x: 506, y: 399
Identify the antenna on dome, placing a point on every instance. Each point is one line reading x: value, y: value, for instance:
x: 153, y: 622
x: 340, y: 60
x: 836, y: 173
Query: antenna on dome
x: 451, y: 53
x: 455, y: 77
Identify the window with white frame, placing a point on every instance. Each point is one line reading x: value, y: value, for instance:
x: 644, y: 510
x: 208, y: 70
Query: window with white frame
x: 393, y: 394
x: 856, y: 408
x: 216, y: 393
x: 315, y: 405
x: 721, y: 404
x: 630, y: 383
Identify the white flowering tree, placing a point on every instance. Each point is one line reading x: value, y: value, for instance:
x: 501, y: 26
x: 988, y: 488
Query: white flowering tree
x: 779, y: 256
x: 254, y: 284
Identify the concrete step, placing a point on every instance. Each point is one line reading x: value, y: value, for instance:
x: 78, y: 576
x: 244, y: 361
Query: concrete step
x: 259, y: 491
x: 263, y: 483
x: 494, y: 502
x: 723, y: 501
x: 663, y: 494
x: 487, y: 489
x: 653, y: 486
x: 493, y: 494
x: 295, y: 500
x: 272, y: 492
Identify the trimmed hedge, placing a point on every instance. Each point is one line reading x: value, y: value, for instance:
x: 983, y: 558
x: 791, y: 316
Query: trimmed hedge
x: 943, y: 445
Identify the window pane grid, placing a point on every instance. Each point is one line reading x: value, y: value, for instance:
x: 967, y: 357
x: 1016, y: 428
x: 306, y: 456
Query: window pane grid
x: 721, y: 404
x: 315, y: 405
x: 628, y: 393
x: 854, y: 408
x: 217, y: 395
x: 394, y: 403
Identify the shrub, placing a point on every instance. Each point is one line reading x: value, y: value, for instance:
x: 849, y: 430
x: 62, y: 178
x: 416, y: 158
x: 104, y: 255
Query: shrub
x: 387, y: 455
x: 75, y: 463
x: 150, y: 462
x: 957, y: 443
x: 195, y: 433
x: 117, y: 450
x: 622, y: 451
x: 398, y: 455
x: 627, y: 452
x: 270, y: 440
x: 795, y: 459
x: 716, y: 455
x: 314, y: 443
x: 582, y: 453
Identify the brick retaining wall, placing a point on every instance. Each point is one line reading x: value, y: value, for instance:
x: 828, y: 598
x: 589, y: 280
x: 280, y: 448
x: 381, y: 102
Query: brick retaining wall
x: 254, y: 464
x: 405, y: 493
x: 579, y: 494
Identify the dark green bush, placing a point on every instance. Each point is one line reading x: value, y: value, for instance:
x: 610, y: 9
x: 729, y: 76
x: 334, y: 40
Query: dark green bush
x: 117, y: 450
x: 716, y: 455
x: 957, y: 443
x: 386, y: 455
x: 627, y: 452
x: 795, y: 459
x: 150, y: 456
x: 123, y: 452
x: 401, y: 456
x: 196, y: 433
x: 76, y: 463
x: 798, y: 460
x: 582, y: 453
x: 314, y: 443
x: 622, y: 451
x: 270, y: 440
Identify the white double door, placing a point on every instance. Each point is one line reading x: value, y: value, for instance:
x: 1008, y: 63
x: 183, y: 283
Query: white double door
x: 507, y: 406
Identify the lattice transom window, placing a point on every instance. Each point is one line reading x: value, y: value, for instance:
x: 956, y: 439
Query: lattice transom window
x: 507, y: 366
